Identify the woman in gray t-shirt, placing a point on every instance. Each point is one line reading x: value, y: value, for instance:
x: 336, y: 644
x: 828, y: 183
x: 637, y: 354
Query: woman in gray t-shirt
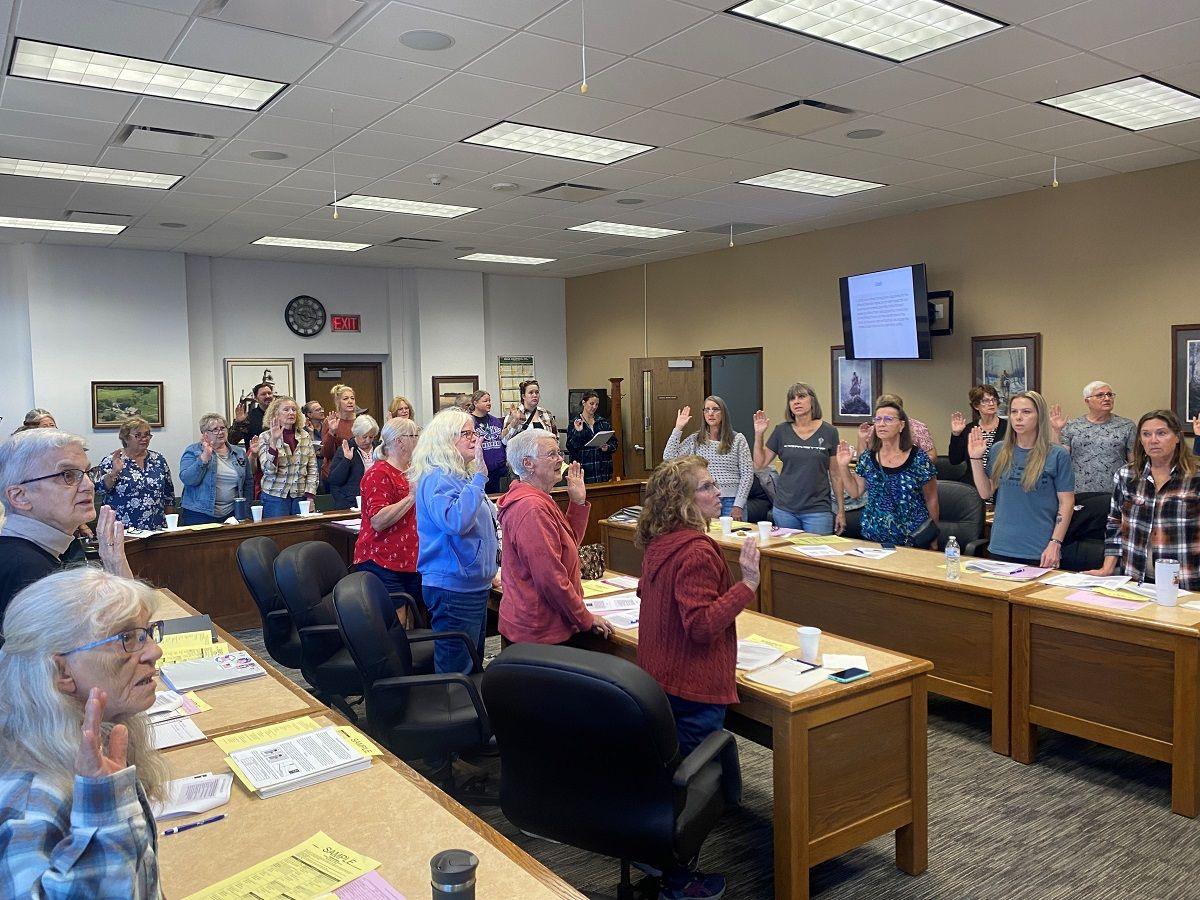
x: 804, y: 445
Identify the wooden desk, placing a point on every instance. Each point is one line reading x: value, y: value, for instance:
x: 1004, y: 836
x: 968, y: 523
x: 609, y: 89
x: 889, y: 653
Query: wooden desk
x: 1125, y: 678
x: 902, y: 602
x: 387, y: 812
x: 606, y: 498
x: 849, y: 759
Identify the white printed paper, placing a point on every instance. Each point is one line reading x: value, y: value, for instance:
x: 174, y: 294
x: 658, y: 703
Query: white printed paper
x: 613, y: 603
x: 1079, y: 580
x: 994, y: 567
x: 818, y: 550
x: 174, y: 732
x: 752, y: 655
x: 194, y: 795
x: 627, y: 582
x: 626, y: 621
x: 870, y: 552
x: 789, y: 675
x: 295, y: 758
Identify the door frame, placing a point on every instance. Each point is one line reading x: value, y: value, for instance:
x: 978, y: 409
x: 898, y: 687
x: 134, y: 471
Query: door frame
x: 707, y: 356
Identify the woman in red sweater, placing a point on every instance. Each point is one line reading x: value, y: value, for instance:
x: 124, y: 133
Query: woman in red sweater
x: 543, y: 599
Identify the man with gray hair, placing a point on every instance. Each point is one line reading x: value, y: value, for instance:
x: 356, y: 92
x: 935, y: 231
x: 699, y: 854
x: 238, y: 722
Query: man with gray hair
x: 47, y: 493
x: 1099, y: 442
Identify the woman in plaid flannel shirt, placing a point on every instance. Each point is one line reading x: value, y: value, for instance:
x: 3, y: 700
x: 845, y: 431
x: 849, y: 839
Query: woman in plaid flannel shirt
x: 288, y: 459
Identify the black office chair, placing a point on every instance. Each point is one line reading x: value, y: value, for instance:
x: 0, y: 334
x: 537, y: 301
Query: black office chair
x: 560, y: 713
x: 960, y: 513
x: 1083, y: 545
x: 256, y: 561
x: 415, y: 715
x: 948, y: 471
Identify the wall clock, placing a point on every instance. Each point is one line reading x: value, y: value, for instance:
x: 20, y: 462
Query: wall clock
x: 305, y: 315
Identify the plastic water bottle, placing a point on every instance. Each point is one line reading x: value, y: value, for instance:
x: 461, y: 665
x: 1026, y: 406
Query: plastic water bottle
x: 953, y: 559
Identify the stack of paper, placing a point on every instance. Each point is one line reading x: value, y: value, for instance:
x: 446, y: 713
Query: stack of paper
x: 624, y: 582
x: 1079, y: 580
x: 626, y: 621
x: 174, y: 732
x: 752, y: 655
x: 817, y: 550
x: 352, y: 524
x: 193, y: 795
x: 994, y: 567
x: 870, y: 552
x: 297, y: 762
x: 629, y: 514
x: 227, y: 668
x: 789, y: 675
x: 613, y: 603
x: 171, y: 705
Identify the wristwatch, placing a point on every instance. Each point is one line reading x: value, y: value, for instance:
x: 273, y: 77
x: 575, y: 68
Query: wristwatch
x: 1055, y: 540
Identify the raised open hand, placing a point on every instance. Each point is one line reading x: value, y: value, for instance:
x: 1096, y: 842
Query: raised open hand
x: 682, y: 417
x: 844, y: 454
x: 576, y: 489
x: 976, y: 446
x: 1058, y: 419
x: 958, y: 422
x: 761, y: 422
x: 346, y: 451
x: 92, y: 760
x: 118, y: 459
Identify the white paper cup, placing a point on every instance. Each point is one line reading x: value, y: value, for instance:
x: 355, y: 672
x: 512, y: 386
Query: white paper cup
x: 172, y: 521
x: 305, y: 506
x: 1166, y: 582
x: 256, y: 512
x: 726, y: 525
x: 764, y: 530
x: 810, y: 643
x: 358, y: 502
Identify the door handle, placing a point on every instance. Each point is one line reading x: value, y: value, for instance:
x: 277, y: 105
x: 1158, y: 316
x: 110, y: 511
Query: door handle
x: 639, y: 448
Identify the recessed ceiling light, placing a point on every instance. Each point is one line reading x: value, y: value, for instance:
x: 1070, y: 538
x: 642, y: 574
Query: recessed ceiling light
x: 58, y: 225
x: 631, y: 201
x: 501, y: 258
x: 1134, y: 104
x: 864, y: 134
x: 410, y: 207
x: 172, y: 224
x: 345, y: 246
x: 504, y: 186
x: 562, y: 144
x: 898, y: 30
x: 268, y: 154
x: 32, y: 168
x: 641, y: 231
x: 421, y: 39
x: 811, y: 183
x: 91, y: 68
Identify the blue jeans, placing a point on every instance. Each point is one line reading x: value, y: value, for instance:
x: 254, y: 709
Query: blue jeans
x: 396, y: 582
x: 695, y: 721
x: 727, y: 505
x: 456, y: 611
x: 277, y: 507
x: 813, y: 523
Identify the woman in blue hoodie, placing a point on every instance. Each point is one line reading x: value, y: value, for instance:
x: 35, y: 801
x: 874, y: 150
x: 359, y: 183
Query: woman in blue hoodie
x: 456, y: 525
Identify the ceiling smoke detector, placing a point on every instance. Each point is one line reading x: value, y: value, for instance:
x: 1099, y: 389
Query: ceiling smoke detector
x: 505, y: 186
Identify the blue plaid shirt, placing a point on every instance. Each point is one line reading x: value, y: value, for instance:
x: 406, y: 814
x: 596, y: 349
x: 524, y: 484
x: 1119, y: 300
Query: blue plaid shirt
x: 99, y: 843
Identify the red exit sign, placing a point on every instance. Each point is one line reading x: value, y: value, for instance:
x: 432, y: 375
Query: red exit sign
x: 345, y: 323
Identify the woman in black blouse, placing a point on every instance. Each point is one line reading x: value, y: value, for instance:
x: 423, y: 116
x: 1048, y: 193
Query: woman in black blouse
x: 985, y: 405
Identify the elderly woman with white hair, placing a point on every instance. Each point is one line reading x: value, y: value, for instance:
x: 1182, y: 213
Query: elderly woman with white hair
x: 456, y: 525
x: 543, y: 597
x: 214, y: 473
x: 351, y: 462
x: 77, y: 764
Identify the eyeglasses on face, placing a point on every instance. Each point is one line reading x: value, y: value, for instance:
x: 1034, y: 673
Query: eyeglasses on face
x: 132, y: 640
x: 1104, y: 395
x: 707, y: 486
x: 467, y: 434
x: 712, y: 409
x: 988, y: 401
x: 884, y: 420
x: 553, y: 454
x: 70, y: 477
x: 216, y: 429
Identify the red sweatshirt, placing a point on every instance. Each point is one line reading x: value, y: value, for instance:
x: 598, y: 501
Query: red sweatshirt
x: 686, y: 634
x: 543, y: 600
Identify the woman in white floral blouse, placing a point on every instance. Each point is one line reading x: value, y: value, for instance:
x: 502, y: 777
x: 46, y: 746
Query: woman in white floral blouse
x: 135, y: 481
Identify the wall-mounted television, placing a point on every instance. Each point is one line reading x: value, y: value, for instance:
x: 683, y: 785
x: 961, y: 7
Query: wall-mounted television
x: 885, y: 314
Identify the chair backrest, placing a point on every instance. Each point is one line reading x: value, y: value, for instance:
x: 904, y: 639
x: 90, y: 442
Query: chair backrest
x: 256, y: 561
x: 374, y: 636
x: 948, y: 471
x: 1083, y: 546
x: 587, y: 747
x: 961, y: 513
x: 307, y: 574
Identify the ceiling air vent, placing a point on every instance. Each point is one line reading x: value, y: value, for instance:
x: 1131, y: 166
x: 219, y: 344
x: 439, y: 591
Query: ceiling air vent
x: 319, y: 20
x: 799, y: 117
x: 165, y: 140
x: 572, y: 193
x: 101, y: 218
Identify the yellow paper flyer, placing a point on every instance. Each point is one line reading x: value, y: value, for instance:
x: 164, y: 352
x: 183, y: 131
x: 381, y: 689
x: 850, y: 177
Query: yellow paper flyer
x: 358, y: 741
x: 812, y: 540
x: 195, y: 698
x: 255, y: 736
x: 778, y: 645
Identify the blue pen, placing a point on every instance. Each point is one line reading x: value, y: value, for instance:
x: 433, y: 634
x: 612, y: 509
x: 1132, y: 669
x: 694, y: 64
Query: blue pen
x: 190, y: 825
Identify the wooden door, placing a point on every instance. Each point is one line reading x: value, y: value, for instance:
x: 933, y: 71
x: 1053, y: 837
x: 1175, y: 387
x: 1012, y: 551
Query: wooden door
x: 365, y: 378
x: 658, y: 387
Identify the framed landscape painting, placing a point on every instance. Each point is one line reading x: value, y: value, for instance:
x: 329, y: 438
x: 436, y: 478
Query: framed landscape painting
x: 856, y: 383
x: 1010, y: 363
x: 115, y: 401
x: 1185, y: 373
x: 453, y: 390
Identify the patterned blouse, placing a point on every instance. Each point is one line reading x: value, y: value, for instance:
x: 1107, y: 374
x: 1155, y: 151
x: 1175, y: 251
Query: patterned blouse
x: 895, y: 498
x: 395, y: 547
x: 596, y: 462
x: 286, y: 472
x: 733, y: 471
x: 141, y: 494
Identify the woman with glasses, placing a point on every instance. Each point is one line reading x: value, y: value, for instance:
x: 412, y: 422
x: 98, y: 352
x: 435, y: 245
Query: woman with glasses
x: 725, y: 451
x: 136, y: 481
x: 899, y: 480
x: 77, y: 764
x: 288, y: 459
x: 387, y: 541
x: 352, y: 461
x: 596, y: 461
x: 456, y: 524
x: 543, y: 596
x: 400, y: 408
x: 805, y: 445
x: 985, y: 406
x: 214, y: 473
x: 1033, y: 482
x: 1100, y: 442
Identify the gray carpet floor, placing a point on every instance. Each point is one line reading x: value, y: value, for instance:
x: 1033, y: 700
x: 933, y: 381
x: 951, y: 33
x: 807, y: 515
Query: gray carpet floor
x: 1085, y: 822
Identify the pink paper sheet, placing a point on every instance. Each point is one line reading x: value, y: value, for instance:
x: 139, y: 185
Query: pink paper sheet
x: 1101, y: 600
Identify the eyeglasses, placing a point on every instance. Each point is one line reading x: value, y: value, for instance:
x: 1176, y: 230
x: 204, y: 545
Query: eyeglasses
x: 1104, y: 395
x: 70, y: 477
x: 553, y: 454
x: 466, y: 434
x: 988, y: 401
x: 884, y: 420
x: 132, y: 641
x: 709, y: 409
x: 217, y: 429
x: 707, y: 486
x: 140, y: 434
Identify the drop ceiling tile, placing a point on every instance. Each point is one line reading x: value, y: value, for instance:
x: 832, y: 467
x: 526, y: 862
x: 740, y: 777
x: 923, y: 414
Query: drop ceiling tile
x: 378, y: 77
x: 295, y: 133
x: 1078, y: 131
x: 887, y: 90
x: 726, y: 101
x: 101, y: 25
x: 513, y: 13
x: 353, y: 164
x: 728, y: 140
x: 57, y: 151
x: 239, y: 150
x: 547, y: 169
x: 991, y: 55
x: 667, y: 162
x: 197, y: 118
x: 479, y: 96
x: 475, y: 158
x: 1186, y: 77
x: 892, y: 129
x: 675, y: 186
x: 1067, y: 174
x: 222, y: 47
x: 903, y: 171
x: 183, y: 7
x: 198, y: 185
x: 656, y: 128
x: 400, y: 147
x: 1095, y: 23
x: 1165, y: 156
x: 114, y: 199
x: 814, y: 66
x: 54, y: 99
x: 568, y: 111
x: 381, y: 35
x: 199, y: 205
x: 538, y: 61
x: 960, y: 105
x: 1063, y: 76
x: 989, y: 189
x: 283, y: 193
x: 622, y: 26
x: 721, y: 46
x: 419, y: 173
x: 1173, y: 46
x: 1022, y: 119
x: 727, y: 171
x: 816, y: 157
x: 1179, y: 133
x: 314, y: 180
x: 222, y: 170
x: 16, y: 191
x: 275, y: 208
x: 55, y: 128
x: 1119, y: 145
x: 620, y: 179
x: 981, y: 154
x: 643, y: 83
x: 950, y: 180
x: 435, y: 124
x: 1031, y: 165
x: 313, y: 105
x: 399, y: 190
x: 926, y: 142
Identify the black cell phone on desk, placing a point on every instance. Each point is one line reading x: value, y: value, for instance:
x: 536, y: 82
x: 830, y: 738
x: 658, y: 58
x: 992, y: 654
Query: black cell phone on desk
x: 887, y: 545
x: 847, y: 675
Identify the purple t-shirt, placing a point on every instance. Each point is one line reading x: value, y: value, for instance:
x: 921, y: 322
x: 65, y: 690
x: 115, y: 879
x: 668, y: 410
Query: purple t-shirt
x: 488, y: 429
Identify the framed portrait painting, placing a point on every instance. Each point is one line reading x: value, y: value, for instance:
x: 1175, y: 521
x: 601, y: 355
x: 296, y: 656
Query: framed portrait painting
x: 242, y: 374
x: 1185, y: 374
x: 115, y: 401
x: 1010, y: 363
x: 856, y: 383
x: 453, y: 390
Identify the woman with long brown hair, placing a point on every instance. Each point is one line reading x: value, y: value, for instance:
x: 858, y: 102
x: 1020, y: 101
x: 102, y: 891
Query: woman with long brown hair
x: 725, y: 450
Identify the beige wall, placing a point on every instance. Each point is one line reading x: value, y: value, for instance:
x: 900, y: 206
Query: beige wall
x: 1101, y: 268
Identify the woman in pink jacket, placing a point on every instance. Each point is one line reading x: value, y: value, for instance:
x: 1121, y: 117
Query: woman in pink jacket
x: 543, y: 600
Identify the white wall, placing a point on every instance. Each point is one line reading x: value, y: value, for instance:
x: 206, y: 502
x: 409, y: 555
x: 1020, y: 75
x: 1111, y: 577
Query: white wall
x: 16, y: 364
x: 525, y: 315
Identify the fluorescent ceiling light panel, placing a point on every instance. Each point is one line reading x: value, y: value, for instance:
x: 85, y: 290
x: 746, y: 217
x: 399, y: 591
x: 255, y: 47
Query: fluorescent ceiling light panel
x: 346, y: 246
x: 91, y: 68
x: 501, y: 258
x: 33, y: 168
x: 1135, y: 103
x: 641, y: 231
x: 56, y: 225
x: 898, y: 30
x: 563, y: 144
x: 409, y: 207
x: 812, y: 183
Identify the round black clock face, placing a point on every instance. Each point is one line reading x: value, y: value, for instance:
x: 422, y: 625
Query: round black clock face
x: 305, y: 315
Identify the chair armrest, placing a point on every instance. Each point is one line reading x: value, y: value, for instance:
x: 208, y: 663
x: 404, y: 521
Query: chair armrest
x: 476, y: 662
x: 280, y: 615
x: 718, y: 744
x: 407, y: 682
x: 408, y: 600
x: 321, y: 641
x: 976, y: 547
